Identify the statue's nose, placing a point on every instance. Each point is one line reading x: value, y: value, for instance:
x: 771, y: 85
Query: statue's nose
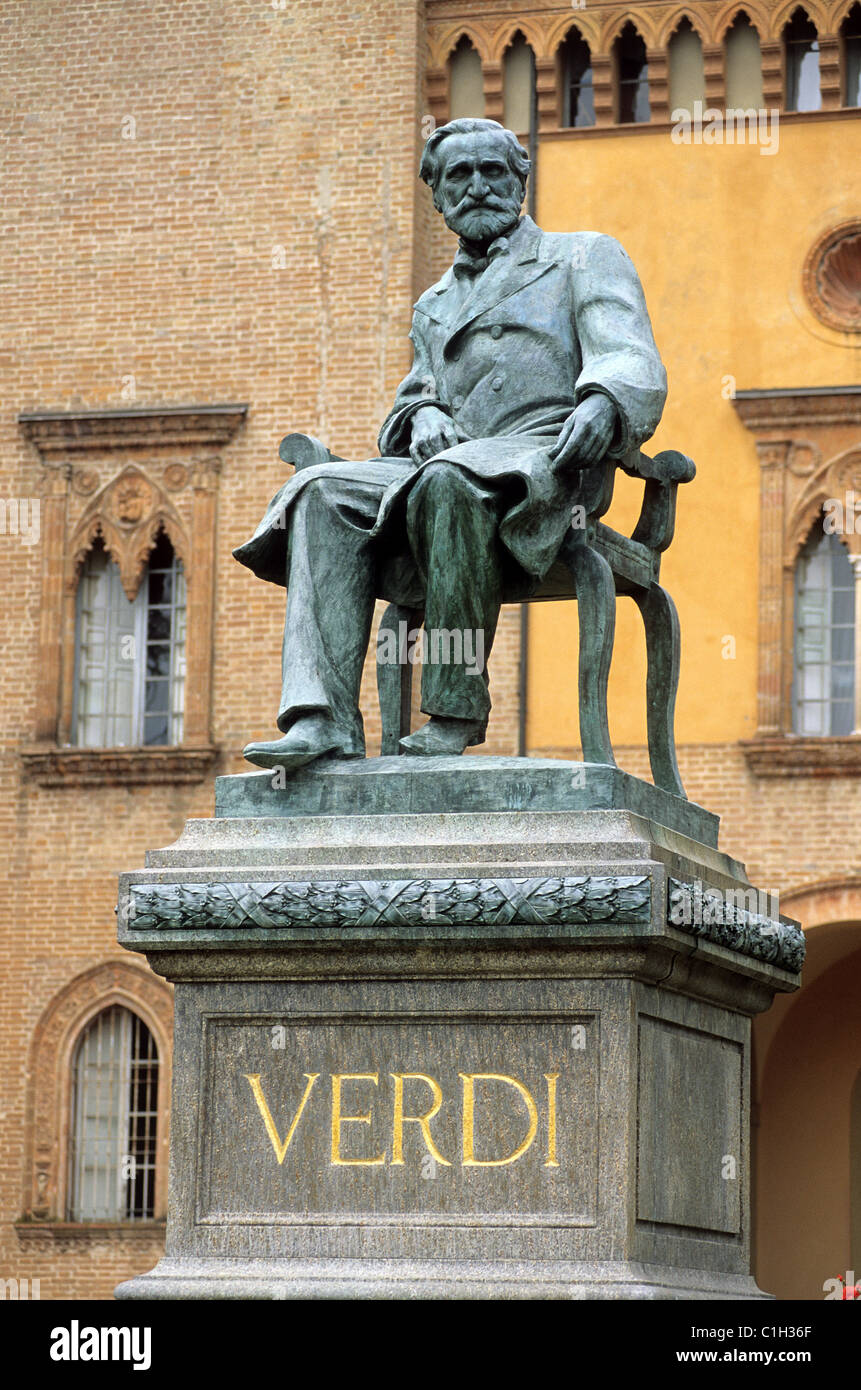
x: 478, y: 185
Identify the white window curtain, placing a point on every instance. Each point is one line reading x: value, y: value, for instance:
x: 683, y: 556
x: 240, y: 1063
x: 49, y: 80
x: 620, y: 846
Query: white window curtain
x: 114, y: 1119
x: 824, y: 674
x: 130, y: 656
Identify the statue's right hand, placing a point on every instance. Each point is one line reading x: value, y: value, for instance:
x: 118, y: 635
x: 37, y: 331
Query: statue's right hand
x: 432, y: 432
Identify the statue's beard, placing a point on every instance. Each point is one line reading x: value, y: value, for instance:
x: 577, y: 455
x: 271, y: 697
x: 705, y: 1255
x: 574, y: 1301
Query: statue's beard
x: 480, y: 223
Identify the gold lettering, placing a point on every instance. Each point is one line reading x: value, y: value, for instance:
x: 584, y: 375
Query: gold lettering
x: 400, y: 1119
x: 280, y: 1149
x: 338, y: 1119
x: 469, y: 1079
x: 551, y: 1120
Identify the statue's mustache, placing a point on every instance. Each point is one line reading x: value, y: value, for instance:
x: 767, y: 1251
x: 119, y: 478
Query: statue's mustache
x: 491, y: 203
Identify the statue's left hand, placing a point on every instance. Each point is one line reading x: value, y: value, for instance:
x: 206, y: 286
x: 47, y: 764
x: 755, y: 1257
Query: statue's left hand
x: 587, y: 433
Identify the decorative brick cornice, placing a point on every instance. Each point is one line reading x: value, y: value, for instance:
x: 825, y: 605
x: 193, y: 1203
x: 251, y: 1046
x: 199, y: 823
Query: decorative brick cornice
x: 58, y: 432
x: 797, y: 406
x: 115, y: 1232
x: 794, y: 756
x: 123, y: 767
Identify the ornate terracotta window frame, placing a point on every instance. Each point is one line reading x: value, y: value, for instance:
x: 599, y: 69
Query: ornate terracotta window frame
x: 45, y: 1198
x: 122, y: 475
x: 809, y: 444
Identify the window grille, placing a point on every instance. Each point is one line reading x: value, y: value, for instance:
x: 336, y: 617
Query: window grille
x: 112, y: 1151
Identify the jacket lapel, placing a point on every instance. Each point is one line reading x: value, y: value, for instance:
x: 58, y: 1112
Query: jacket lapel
x: 506, y: 275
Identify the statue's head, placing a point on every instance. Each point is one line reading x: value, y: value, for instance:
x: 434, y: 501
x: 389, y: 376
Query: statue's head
x: 477, y: 171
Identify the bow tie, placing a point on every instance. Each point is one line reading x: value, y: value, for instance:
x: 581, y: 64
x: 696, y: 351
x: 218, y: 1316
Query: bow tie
x: 466, y: 264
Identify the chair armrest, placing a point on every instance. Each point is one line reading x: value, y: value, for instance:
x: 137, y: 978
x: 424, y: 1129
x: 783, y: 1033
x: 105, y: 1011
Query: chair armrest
x: 303, y: 451
x: 667, y: 467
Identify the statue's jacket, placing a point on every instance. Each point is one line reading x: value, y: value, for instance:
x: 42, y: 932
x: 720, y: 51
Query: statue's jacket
x: 553, y: 318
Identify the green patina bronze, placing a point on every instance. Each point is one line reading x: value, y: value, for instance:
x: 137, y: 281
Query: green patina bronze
x: 535, y: 375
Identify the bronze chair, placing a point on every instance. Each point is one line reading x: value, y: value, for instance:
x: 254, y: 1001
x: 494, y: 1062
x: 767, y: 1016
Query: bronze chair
x: 594, y: 565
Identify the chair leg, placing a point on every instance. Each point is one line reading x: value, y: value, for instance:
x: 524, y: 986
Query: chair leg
x: 596, y: 604
x: 663, y: 648
x: 395, y: 675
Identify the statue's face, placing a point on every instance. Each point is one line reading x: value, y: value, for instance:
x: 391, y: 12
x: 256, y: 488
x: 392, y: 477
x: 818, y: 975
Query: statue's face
x: 478, y: 194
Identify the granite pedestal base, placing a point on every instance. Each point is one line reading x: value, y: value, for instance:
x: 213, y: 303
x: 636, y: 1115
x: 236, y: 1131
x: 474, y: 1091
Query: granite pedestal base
x: 498, y: 1052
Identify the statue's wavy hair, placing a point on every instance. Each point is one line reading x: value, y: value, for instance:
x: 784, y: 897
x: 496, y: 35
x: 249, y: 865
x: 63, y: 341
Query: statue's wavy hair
x: 515, y: 155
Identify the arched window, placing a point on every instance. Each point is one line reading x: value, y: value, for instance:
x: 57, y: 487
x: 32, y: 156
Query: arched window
x: 743, y: 66
x: 130, y: 655
x: 518, y: 84
x: 578, y: 91
x: 823, y: 700
x: 466, y: 83
x: 850, y: 46
x: 112, y: 1149
x: 801, y: 54
x: 632, y: 77
x: 687, y: 69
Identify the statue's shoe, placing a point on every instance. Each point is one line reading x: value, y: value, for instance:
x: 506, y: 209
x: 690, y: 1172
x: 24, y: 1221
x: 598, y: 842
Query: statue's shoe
x: 444, y: 738
x: 305, y: 741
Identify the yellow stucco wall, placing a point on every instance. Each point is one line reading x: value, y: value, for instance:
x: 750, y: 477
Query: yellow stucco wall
x: 719, y: 235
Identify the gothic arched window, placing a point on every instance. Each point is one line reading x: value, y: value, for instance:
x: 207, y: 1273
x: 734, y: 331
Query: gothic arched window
x: 578, y: 90
x: 632, y: 77
x: 686, y: 67
x: 113, y: 1132
x: 801, y: 55
x: 743, y: 55
x: 466, y: 82
x: 850, y: 45
x: 823, y: 696
x: 130, y: 654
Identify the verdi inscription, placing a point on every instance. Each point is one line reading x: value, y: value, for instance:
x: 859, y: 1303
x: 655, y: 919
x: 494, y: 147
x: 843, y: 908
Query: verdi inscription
x: 310, y: 1121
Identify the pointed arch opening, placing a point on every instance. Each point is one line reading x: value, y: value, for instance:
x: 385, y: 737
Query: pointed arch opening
x: 129, y: 674
x: 850, y: 57
x: 631, y: 71
x: 465, y: 81
x: 518, y: 84
x: 823, y: 685
x: 576, y: 78
x: 113, y: 1127
x: 801, y: 63
x: 687, y: 74
x: 743, y: 65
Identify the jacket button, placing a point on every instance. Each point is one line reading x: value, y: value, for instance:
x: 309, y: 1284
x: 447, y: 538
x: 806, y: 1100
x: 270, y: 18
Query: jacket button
x: 497, y: 383
x: 496, y: 331
x: 457, y: 402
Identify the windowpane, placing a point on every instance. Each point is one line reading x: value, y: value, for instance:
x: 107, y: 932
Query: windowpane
x: 122, y: 645
x: 112, y: 1150
x: 578, y: 88
x: 686, y: 68
x: 825, y: 637
x: 801, y: 45
x: 632, y: 75
x: 743, y: 66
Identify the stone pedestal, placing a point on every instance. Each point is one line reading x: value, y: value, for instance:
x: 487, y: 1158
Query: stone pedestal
x: 500, y: 1051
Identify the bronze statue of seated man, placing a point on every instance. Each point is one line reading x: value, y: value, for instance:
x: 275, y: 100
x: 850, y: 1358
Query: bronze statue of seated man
x: 533, y: 359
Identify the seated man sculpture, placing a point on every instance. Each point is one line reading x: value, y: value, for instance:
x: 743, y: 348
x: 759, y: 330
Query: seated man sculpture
x: 533, y: 359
